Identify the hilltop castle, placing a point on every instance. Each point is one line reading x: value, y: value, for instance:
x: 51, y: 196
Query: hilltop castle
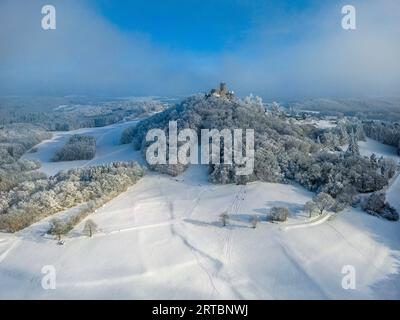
x: 221, y: 92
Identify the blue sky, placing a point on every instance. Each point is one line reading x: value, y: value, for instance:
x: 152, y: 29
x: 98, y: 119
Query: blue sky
x: 205, y: 26
x: 278, y: 49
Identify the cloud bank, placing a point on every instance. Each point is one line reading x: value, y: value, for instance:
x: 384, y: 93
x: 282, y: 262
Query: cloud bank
x: 287, y: 54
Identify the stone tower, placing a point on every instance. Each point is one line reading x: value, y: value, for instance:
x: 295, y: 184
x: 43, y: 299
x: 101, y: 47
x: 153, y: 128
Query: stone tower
x: 223, y: 89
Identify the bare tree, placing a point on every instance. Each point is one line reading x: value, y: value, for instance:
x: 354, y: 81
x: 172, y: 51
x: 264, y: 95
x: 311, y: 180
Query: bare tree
x: 90, y: 227
x: 224, y: 218
x: 310, y: 207
x: 254, y: 221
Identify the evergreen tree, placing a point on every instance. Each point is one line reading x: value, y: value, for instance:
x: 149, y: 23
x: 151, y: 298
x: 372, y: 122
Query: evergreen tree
x: 353, y: 148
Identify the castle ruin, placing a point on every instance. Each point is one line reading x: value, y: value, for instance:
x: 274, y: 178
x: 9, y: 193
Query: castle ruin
x: 221, y: 92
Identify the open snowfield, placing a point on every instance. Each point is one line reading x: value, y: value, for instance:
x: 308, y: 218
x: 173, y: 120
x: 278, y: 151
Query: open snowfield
x: 371, y: 146
x: 108, y: 148
x: 162, y: 239
x: 321, y: 123
x: 325, y: 124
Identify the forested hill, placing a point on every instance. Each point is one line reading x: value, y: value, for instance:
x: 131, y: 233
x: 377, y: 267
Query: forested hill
x: 285, y: 148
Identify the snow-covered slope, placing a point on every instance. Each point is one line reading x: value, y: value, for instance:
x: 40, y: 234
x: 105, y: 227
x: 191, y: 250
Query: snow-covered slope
x: 108, y: 148
x: 393, y: 194
x: 371, y: 146
x: 162, y: 239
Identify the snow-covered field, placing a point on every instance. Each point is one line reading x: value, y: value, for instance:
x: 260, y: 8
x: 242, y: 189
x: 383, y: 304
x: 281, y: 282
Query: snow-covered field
x: 325, y: 124
x: 322, y: 124
x: 108, y: 148
x: 371, y: 146
x: 162, y: 239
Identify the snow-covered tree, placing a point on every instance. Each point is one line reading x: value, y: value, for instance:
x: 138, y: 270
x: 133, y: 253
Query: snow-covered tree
x: 376, y: 204
x: 323, y: 202
x: 32, y: 200
x: 78, y: 147
x: 310, y: 207
x: 279, y: 213
x: 353, y: 148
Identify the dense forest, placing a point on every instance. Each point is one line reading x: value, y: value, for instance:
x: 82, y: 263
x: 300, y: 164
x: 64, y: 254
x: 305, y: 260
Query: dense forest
x: 32, y: 200
x: 78, y: 147
x: 18, y: 138
x: 15, y: 140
